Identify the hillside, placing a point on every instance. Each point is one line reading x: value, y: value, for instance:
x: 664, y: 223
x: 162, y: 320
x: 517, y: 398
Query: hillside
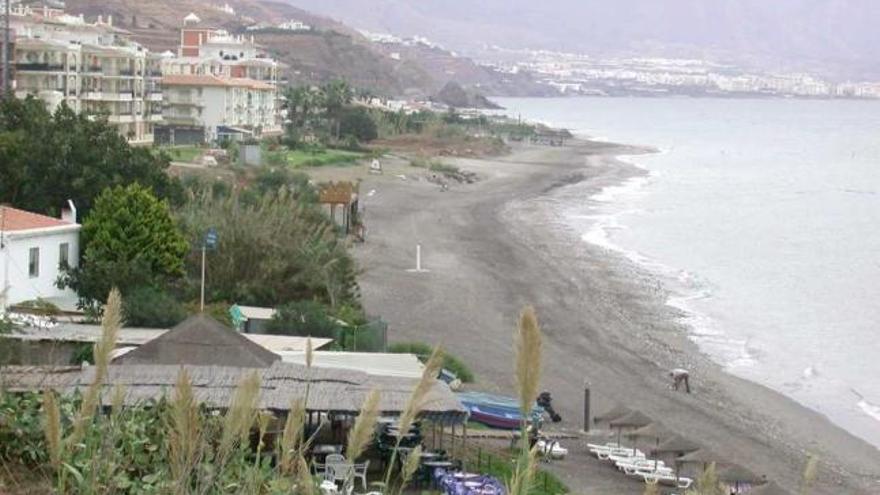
x: 331, y: 51
x: 835, y: 36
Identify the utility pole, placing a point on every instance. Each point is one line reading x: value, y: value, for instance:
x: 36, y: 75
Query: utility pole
x: 209, y: 242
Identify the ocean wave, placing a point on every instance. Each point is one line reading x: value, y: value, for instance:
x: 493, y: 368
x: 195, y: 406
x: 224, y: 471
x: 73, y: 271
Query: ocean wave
x: 685, y: 288
x: 869, y: 408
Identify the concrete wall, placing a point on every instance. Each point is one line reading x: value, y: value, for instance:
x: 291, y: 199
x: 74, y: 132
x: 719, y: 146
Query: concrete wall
x: 14, y: 258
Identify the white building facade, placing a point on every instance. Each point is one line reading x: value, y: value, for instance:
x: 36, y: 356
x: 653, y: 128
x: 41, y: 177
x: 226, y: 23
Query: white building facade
x: 92, y: 67
x: 33, y: 250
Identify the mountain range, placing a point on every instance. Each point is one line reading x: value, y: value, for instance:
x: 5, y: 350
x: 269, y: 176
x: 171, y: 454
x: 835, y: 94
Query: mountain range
x: 835, y: 37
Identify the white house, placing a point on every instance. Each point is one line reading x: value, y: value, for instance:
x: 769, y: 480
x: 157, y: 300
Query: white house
x: 33, y: 247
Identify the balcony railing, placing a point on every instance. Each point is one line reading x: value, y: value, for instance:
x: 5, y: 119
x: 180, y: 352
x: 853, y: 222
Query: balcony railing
x: 39, y: 66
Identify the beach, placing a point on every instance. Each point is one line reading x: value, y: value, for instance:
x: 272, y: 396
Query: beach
x: 492, y: 247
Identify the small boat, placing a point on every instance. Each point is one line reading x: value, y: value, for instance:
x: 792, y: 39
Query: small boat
x: 496, y: 411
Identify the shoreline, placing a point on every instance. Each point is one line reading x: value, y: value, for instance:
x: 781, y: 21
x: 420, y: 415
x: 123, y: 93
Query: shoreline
x: 677, y: 298
x: 492, y: 248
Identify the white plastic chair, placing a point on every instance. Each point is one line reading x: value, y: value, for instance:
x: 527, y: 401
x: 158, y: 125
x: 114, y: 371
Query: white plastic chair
x: 360, y: 473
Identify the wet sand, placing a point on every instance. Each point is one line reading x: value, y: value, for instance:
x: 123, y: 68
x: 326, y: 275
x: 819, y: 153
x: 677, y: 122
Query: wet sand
x: 494, y: 246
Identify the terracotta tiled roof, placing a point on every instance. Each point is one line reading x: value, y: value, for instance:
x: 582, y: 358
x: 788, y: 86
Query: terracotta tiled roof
x: 13, y: 219
x: 211, y: 80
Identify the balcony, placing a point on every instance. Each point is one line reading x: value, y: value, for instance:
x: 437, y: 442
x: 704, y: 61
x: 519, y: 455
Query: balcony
x: 39, y: 67
x: 120, y: 119
x: 155, y: 117
x: 157, y: 96
x: 92, y: 95
x: 182, y: 101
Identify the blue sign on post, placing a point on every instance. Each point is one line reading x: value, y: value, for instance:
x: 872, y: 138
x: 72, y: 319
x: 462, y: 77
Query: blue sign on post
x: 211, y: 239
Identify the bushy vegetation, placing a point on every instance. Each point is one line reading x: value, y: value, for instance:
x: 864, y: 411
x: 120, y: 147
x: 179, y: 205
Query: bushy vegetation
x: 131, y: 242
x: 50, y: 158
x: 176, y: 445
x: 273, y: 249
x: 423, y: 350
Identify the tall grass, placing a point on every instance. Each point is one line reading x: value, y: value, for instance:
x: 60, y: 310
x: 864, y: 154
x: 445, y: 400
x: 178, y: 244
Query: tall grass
x: 527, y: 370
x: 415, y: 404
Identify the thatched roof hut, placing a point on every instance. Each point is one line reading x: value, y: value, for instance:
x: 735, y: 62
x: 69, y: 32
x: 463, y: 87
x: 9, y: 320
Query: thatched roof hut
x: 330, y: 390
x: 201, y: 341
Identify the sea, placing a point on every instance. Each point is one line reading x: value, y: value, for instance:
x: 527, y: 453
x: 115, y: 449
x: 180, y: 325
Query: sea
x: 761, y: 217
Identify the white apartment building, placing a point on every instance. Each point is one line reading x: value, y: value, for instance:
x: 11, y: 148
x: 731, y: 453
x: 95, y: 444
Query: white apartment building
x: 33, y: 248
x: 217, y: 107
x: 218, y: 84
x: 92, y: 67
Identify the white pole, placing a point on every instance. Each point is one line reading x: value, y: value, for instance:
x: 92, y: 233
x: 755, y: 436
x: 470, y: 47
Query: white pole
x: 202, y: 305
x: 418, y: 257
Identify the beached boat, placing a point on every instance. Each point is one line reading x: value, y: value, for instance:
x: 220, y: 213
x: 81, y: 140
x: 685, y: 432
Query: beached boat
x: 495, y: 410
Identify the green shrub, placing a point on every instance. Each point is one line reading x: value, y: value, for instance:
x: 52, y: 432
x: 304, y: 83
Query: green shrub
x: 444, y: 168
x: 423, y: 351
x: 152, y: 307
x: 304, y: 318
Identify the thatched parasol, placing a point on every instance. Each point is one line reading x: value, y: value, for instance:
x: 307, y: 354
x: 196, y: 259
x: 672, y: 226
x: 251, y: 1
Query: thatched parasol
x: 616, y: 412
x: 769, y: 489
x: 676, y: 445
x: 635, y: 419
x: 734, y: 474
x: 654, y: 431
x: 701, y: 457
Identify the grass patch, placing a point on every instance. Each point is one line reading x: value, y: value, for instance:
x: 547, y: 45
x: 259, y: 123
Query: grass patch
x: 500, y: 465
x: 444, y: 168
x: 320, y: 158
x: 181, y: 153
x: 423, y: 351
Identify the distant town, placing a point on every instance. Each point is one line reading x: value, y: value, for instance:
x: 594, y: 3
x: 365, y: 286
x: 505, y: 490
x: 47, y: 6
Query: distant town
x: 580, y: 74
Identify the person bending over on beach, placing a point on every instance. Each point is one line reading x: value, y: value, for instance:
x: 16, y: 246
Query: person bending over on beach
x: 680, y: 376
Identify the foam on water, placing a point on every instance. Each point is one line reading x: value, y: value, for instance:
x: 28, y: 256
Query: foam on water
x: 759, y: 225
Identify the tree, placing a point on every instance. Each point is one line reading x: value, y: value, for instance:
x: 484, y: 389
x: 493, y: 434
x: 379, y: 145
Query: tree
x: 303, y: 318
x: 50, y: 158
x: 273, y: 249
x: 130, y: 241
x: 359, y: 123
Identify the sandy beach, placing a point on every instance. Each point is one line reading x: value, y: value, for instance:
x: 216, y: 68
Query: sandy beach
x: 494, y: 246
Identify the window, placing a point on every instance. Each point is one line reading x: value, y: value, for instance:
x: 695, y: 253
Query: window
x: 34, y: 262
x: 63, y: 255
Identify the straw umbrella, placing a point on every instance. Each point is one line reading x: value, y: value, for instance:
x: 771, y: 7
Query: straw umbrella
x: 769, y: 489
x: 614, y: 413
x: 654, y: 431
x: 734, y: 474
x: 635, y: 419
x: 676, y: 446
x: 702, y: 457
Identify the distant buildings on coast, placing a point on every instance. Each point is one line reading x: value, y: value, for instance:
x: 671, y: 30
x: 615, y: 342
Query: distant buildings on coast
x: 217, y: 84
x: 584, y: 75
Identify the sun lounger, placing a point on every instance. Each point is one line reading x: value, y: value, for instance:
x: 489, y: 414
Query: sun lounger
x: 668, y: 479
x: 620, y: 453
x: 648, y: 470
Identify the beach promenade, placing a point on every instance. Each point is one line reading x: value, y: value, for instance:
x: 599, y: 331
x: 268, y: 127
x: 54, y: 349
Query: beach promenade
x: 491, y: 247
